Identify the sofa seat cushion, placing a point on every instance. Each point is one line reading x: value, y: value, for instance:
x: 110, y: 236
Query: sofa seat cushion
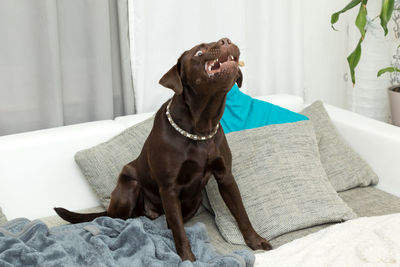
x: 371, y: 201
x: 365, y: 201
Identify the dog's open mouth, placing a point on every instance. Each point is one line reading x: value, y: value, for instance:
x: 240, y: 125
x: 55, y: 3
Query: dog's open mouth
x: 220, y: 63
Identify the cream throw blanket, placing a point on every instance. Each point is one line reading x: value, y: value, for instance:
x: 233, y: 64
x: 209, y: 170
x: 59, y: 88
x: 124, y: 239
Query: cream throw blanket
x: 366, y: 241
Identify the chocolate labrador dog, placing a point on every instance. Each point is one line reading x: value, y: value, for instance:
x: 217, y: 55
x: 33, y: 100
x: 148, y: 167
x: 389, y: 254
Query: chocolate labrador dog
x: 185, y: 146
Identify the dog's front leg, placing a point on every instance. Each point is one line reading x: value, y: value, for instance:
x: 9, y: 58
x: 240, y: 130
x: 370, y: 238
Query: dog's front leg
x: 231, y: 195
x: 173, y: 212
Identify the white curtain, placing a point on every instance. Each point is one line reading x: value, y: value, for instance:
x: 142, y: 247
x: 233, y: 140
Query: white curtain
x: 63, y: 62
x: 288, y: 46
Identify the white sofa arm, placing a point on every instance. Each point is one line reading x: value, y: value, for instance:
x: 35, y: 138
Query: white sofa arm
x: 38, y: 171
x: 378, y: 143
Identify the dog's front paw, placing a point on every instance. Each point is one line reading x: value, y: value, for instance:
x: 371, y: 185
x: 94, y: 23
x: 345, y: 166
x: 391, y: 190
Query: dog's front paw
x: 187, y: 255
x: 258, y: 243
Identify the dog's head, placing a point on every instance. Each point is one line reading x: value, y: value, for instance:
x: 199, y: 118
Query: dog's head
x: 212, y: 65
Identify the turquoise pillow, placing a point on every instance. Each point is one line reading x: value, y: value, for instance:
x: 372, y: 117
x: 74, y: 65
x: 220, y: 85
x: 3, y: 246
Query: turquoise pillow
x: 244, y: 112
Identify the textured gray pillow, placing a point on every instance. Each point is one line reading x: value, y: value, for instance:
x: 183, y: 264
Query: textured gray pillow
x: 3, y: 218
x: 282, y: 182
x: 344, y: 167
x: 102, y: 164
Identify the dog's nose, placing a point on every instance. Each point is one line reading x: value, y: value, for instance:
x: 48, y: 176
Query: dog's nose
x: 224, y: 41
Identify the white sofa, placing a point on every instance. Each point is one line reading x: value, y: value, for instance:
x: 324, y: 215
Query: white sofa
x: 38, y: 172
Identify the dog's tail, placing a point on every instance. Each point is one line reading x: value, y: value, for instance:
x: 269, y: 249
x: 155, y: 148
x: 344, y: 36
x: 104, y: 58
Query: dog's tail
x: 74, y: 217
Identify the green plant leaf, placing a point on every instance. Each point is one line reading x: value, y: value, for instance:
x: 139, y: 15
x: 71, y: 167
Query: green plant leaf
x: 386, y: 13
x: 353, y: 60
x: 335, y: 16
x: 389, y: 69
x: 361, y: 19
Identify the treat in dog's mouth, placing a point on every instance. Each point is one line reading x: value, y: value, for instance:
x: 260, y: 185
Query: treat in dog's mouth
x: 220, y: 63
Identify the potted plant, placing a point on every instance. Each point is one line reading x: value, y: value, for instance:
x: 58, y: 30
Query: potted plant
x: 394, y: 100
x: 387, y: 8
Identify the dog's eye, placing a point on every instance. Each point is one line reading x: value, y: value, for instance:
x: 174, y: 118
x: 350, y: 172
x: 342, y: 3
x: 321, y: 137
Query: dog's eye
x: 199, y: 53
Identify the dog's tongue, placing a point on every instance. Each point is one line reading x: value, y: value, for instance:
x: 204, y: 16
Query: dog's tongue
x: 222, y: 59
x: 216, y: 66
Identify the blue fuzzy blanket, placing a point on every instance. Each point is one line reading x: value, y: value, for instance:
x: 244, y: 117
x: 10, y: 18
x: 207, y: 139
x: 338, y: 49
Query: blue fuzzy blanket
x: 107, y: 242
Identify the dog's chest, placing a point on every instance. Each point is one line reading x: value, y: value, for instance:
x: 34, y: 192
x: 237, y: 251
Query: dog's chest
x: 197, y: 167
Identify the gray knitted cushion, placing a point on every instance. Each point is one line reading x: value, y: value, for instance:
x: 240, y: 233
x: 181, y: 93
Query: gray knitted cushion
x: 344, y: 167
x: 282, y: 182
x: 3, y: 218
x: 102, y: 164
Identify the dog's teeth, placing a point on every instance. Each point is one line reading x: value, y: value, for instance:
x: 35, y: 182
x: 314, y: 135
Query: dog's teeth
x: 209, y: 68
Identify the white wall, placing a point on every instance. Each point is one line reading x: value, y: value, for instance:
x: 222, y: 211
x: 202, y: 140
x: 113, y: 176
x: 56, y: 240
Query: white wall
x: 325, y: 52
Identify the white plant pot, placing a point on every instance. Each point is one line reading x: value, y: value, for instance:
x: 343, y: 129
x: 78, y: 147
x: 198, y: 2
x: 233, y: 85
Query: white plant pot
x: 394, y: 100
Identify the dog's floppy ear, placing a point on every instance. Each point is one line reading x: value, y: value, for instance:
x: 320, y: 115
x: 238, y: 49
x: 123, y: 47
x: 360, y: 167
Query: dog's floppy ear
x: 239, y: 79
x: 172, y: 78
